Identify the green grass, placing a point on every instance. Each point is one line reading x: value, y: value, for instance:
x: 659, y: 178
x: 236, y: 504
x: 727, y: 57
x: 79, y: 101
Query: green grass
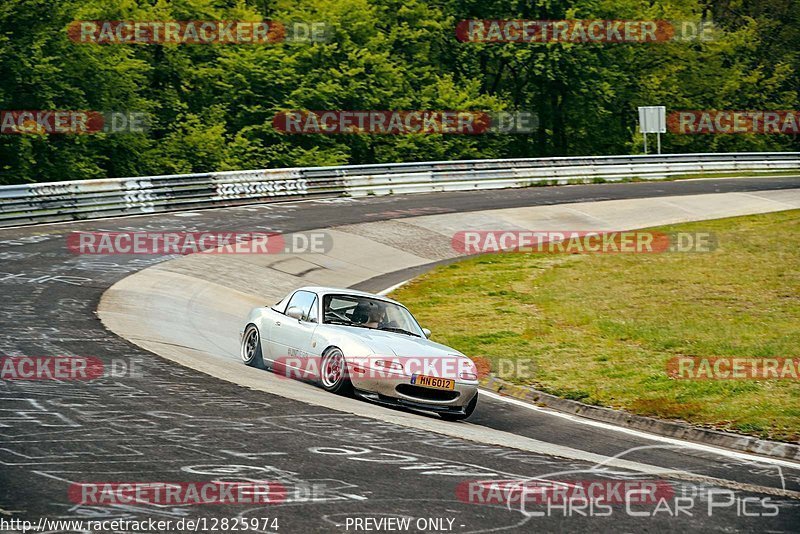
x: 601, y: 328
x: 672, y: 178
x: 735, y: 174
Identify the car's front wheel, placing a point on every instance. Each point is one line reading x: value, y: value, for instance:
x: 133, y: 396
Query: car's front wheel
x: 333, y: 372
x: 251, y: 347
x: 468, y: 409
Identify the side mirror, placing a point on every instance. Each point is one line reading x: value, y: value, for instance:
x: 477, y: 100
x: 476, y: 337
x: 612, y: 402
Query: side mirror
x: 295, y: 313
x: 426, y: 332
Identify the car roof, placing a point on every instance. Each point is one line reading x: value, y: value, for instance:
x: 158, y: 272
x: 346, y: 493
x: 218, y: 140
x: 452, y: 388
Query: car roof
x: 321, y: 290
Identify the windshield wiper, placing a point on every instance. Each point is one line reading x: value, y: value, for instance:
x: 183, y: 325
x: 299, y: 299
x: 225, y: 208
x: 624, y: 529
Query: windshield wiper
x: 343, y: 323
x: 400, y: 330
x: 388, y: 328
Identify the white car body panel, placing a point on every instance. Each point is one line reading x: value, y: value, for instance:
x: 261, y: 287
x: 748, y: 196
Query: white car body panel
x: 299, y: 344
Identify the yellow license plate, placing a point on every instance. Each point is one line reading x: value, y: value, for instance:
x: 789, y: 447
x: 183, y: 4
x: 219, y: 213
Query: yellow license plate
x: 433, y: 382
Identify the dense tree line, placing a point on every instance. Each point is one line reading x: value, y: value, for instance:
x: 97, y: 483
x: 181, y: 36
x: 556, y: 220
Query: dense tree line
x: 211, y: 107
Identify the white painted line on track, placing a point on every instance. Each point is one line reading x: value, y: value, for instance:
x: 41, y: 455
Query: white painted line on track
x: 646, y: 435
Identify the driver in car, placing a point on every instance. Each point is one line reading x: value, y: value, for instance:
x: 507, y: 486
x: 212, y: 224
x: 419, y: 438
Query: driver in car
x: 368, y: 314
x: 375, y: 316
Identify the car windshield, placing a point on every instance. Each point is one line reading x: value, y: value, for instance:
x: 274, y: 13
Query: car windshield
x: 366, y: 312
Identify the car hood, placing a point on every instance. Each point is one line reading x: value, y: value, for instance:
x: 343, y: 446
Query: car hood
x: 401, y: 345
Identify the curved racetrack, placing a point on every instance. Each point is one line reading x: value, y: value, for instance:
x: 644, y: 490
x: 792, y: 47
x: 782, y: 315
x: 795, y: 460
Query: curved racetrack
x: 340, y: 458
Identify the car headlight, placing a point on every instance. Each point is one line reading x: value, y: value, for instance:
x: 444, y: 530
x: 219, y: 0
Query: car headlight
x: 467, y: 369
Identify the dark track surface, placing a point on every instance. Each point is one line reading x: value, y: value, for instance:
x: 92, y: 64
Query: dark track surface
x: 174, y: 424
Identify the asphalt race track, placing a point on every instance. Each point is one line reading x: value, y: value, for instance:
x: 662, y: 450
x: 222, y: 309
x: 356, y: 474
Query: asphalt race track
x: 163, y: 422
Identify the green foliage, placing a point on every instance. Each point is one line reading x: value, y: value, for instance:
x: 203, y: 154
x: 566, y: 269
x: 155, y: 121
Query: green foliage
x: 211, y: 107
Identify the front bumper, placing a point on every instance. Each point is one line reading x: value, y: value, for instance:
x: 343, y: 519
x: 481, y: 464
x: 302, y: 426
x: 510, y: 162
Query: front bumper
x: 396, y: 389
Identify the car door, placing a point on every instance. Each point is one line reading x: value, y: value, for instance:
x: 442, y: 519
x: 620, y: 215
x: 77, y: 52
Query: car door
x: 292, y: 337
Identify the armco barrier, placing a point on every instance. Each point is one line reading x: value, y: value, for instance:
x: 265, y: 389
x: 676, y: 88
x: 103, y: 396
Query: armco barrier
x: 90, y: 199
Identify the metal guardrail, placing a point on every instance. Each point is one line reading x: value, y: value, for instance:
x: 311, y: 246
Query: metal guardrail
x: 91, y: 199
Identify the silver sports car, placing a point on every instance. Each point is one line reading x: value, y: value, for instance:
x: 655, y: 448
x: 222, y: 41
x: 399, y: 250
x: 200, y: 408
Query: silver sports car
x: 351, y: 341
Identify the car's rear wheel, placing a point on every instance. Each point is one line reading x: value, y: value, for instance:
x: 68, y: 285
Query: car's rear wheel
x: 333, y: 372
x: 251, y: 347
x: 468, y: 409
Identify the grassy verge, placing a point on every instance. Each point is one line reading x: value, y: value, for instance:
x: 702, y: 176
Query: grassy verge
x: 601, y: 328
x: 672, y: 178
x: 737, y: 174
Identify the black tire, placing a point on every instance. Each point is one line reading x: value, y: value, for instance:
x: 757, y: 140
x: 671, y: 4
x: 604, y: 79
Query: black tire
x: 333, y: 372
x: 467, y: 411
x: 251, y: 347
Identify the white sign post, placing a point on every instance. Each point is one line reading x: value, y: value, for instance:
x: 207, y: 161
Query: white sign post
x: 652, y: 119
